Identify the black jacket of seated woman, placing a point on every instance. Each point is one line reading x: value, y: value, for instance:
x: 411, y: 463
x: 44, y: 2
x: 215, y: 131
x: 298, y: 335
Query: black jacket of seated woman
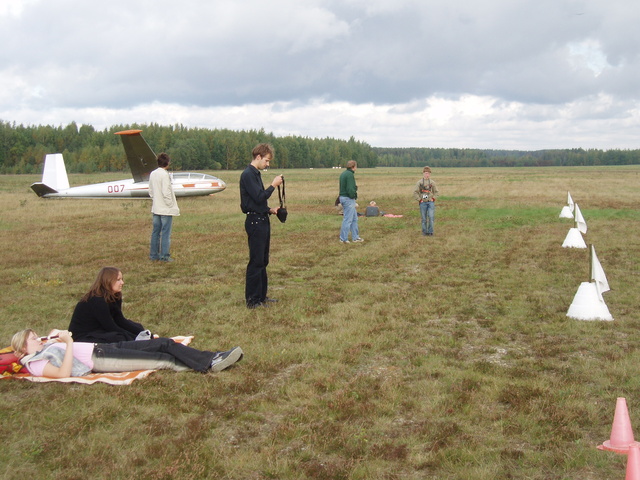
x: 98, y: 316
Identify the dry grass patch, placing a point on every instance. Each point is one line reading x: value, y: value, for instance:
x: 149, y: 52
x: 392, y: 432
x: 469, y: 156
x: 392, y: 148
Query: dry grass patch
x: 405, y: 357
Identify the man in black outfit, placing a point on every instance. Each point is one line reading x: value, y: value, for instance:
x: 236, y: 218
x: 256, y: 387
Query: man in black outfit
x: 253, y: 202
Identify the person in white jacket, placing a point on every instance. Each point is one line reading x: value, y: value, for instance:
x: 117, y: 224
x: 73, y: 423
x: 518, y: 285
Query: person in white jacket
x: 164, y: 208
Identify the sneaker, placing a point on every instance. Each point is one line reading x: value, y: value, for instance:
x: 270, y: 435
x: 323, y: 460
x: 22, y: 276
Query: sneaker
x: 166, y: 259
x: 255, y: 305
x: 224, y: 360
x: 358, y: 240
x: 143, y: 335
x: 269, y: 299
x: 345, y: 241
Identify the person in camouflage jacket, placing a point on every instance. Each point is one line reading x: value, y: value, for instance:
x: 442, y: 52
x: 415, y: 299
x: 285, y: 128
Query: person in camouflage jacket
x: 425, y: 194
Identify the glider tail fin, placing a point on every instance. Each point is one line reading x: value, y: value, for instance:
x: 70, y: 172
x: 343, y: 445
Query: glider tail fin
x: 141, y: 158
x: 54, y: 176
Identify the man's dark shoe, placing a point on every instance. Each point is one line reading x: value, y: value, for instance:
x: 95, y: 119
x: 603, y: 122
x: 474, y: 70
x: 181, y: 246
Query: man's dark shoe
x: 224, y: 360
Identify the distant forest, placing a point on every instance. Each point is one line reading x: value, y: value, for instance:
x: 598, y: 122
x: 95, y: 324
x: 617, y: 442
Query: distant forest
x: 470, y: 157
x: 86, y: 150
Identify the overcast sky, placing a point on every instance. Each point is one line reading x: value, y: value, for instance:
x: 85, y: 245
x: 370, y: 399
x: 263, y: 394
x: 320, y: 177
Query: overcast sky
x: 504, y: 74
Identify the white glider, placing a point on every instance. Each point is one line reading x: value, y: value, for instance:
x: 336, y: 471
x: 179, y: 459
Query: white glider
x: 142, y: 161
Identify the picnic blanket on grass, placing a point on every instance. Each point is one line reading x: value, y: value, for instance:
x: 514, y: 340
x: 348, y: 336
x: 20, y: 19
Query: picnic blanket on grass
x: 119, y: 378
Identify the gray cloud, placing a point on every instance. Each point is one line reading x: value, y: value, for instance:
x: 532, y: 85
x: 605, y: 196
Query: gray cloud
x: 542, y: 58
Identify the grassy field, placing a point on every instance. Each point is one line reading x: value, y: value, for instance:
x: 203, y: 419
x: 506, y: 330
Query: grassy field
x: 405, y: 357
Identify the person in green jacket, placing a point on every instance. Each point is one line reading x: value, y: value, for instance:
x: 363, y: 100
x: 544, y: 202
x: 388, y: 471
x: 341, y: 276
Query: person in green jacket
x: 348, y: 196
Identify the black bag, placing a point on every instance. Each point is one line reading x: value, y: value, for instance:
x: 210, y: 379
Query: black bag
x: 282, y: 211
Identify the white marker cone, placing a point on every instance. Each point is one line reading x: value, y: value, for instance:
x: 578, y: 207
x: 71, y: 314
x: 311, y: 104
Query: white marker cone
x: 566, y: 212
x: 587, y: 304
x: 574, y: 239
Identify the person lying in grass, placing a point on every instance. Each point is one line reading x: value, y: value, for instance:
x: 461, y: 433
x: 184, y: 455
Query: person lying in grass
x: 98, y: 315
x: 58, y: 356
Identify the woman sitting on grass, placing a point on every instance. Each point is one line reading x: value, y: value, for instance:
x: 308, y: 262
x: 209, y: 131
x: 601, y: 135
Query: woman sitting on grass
x: 61, y: 357
x: 98, y: 315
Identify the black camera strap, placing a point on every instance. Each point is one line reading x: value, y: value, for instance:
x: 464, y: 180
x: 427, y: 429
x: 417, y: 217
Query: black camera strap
x: 282, y: 211
x: 281, y: 195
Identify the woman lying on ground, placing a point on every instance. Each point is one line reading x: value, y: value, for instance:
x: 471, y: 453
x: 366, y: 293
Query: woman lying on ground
x: 98, y: 315
x: 62, y: 357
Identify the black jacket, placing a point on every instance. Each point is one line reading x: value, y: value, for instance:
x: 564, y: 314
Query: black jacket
x: 99, y: 321
x: 253, y: 195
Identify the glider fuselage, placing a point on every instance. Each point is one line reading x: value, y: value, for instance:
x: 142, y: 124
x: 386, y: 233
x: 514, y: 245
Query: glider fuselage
x: 184, y: 185
x: 142, y: 161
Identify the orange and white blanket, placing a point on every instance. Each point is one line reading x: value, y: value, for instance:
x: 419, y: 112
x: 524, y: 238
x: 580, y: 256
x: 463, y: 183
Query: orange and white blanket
x: 119, y: 378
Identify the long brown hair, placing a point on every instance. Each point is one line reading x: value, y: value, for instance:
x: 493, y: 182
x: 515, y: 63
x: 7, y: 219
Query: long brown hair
x: 102, y: 286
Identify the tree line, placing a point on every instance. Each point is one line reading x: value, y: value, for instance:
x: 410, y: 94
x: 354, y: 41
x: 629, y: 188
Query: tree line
x: 469, y: 157
x: 87, y: 150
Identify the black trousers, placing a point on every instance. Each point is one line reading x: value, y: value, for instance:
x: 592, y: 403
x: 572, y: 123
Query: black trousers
x: 258, y: 231
x: 157, y: 353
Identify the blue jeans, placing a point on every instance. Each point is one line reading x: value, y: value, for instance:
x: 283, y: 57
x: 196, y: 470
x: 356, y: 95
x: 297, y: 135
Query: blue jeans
x: 160, y: 237
x: 349, y: 219
x: 154, y: 354
x: 428, y: 212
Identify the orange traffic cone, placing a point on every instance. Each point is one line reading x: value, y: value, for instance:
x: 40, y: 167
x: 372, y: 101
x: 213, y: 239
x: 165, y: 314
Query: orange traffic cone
x: 621, y: 433
x: 633, y: 463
